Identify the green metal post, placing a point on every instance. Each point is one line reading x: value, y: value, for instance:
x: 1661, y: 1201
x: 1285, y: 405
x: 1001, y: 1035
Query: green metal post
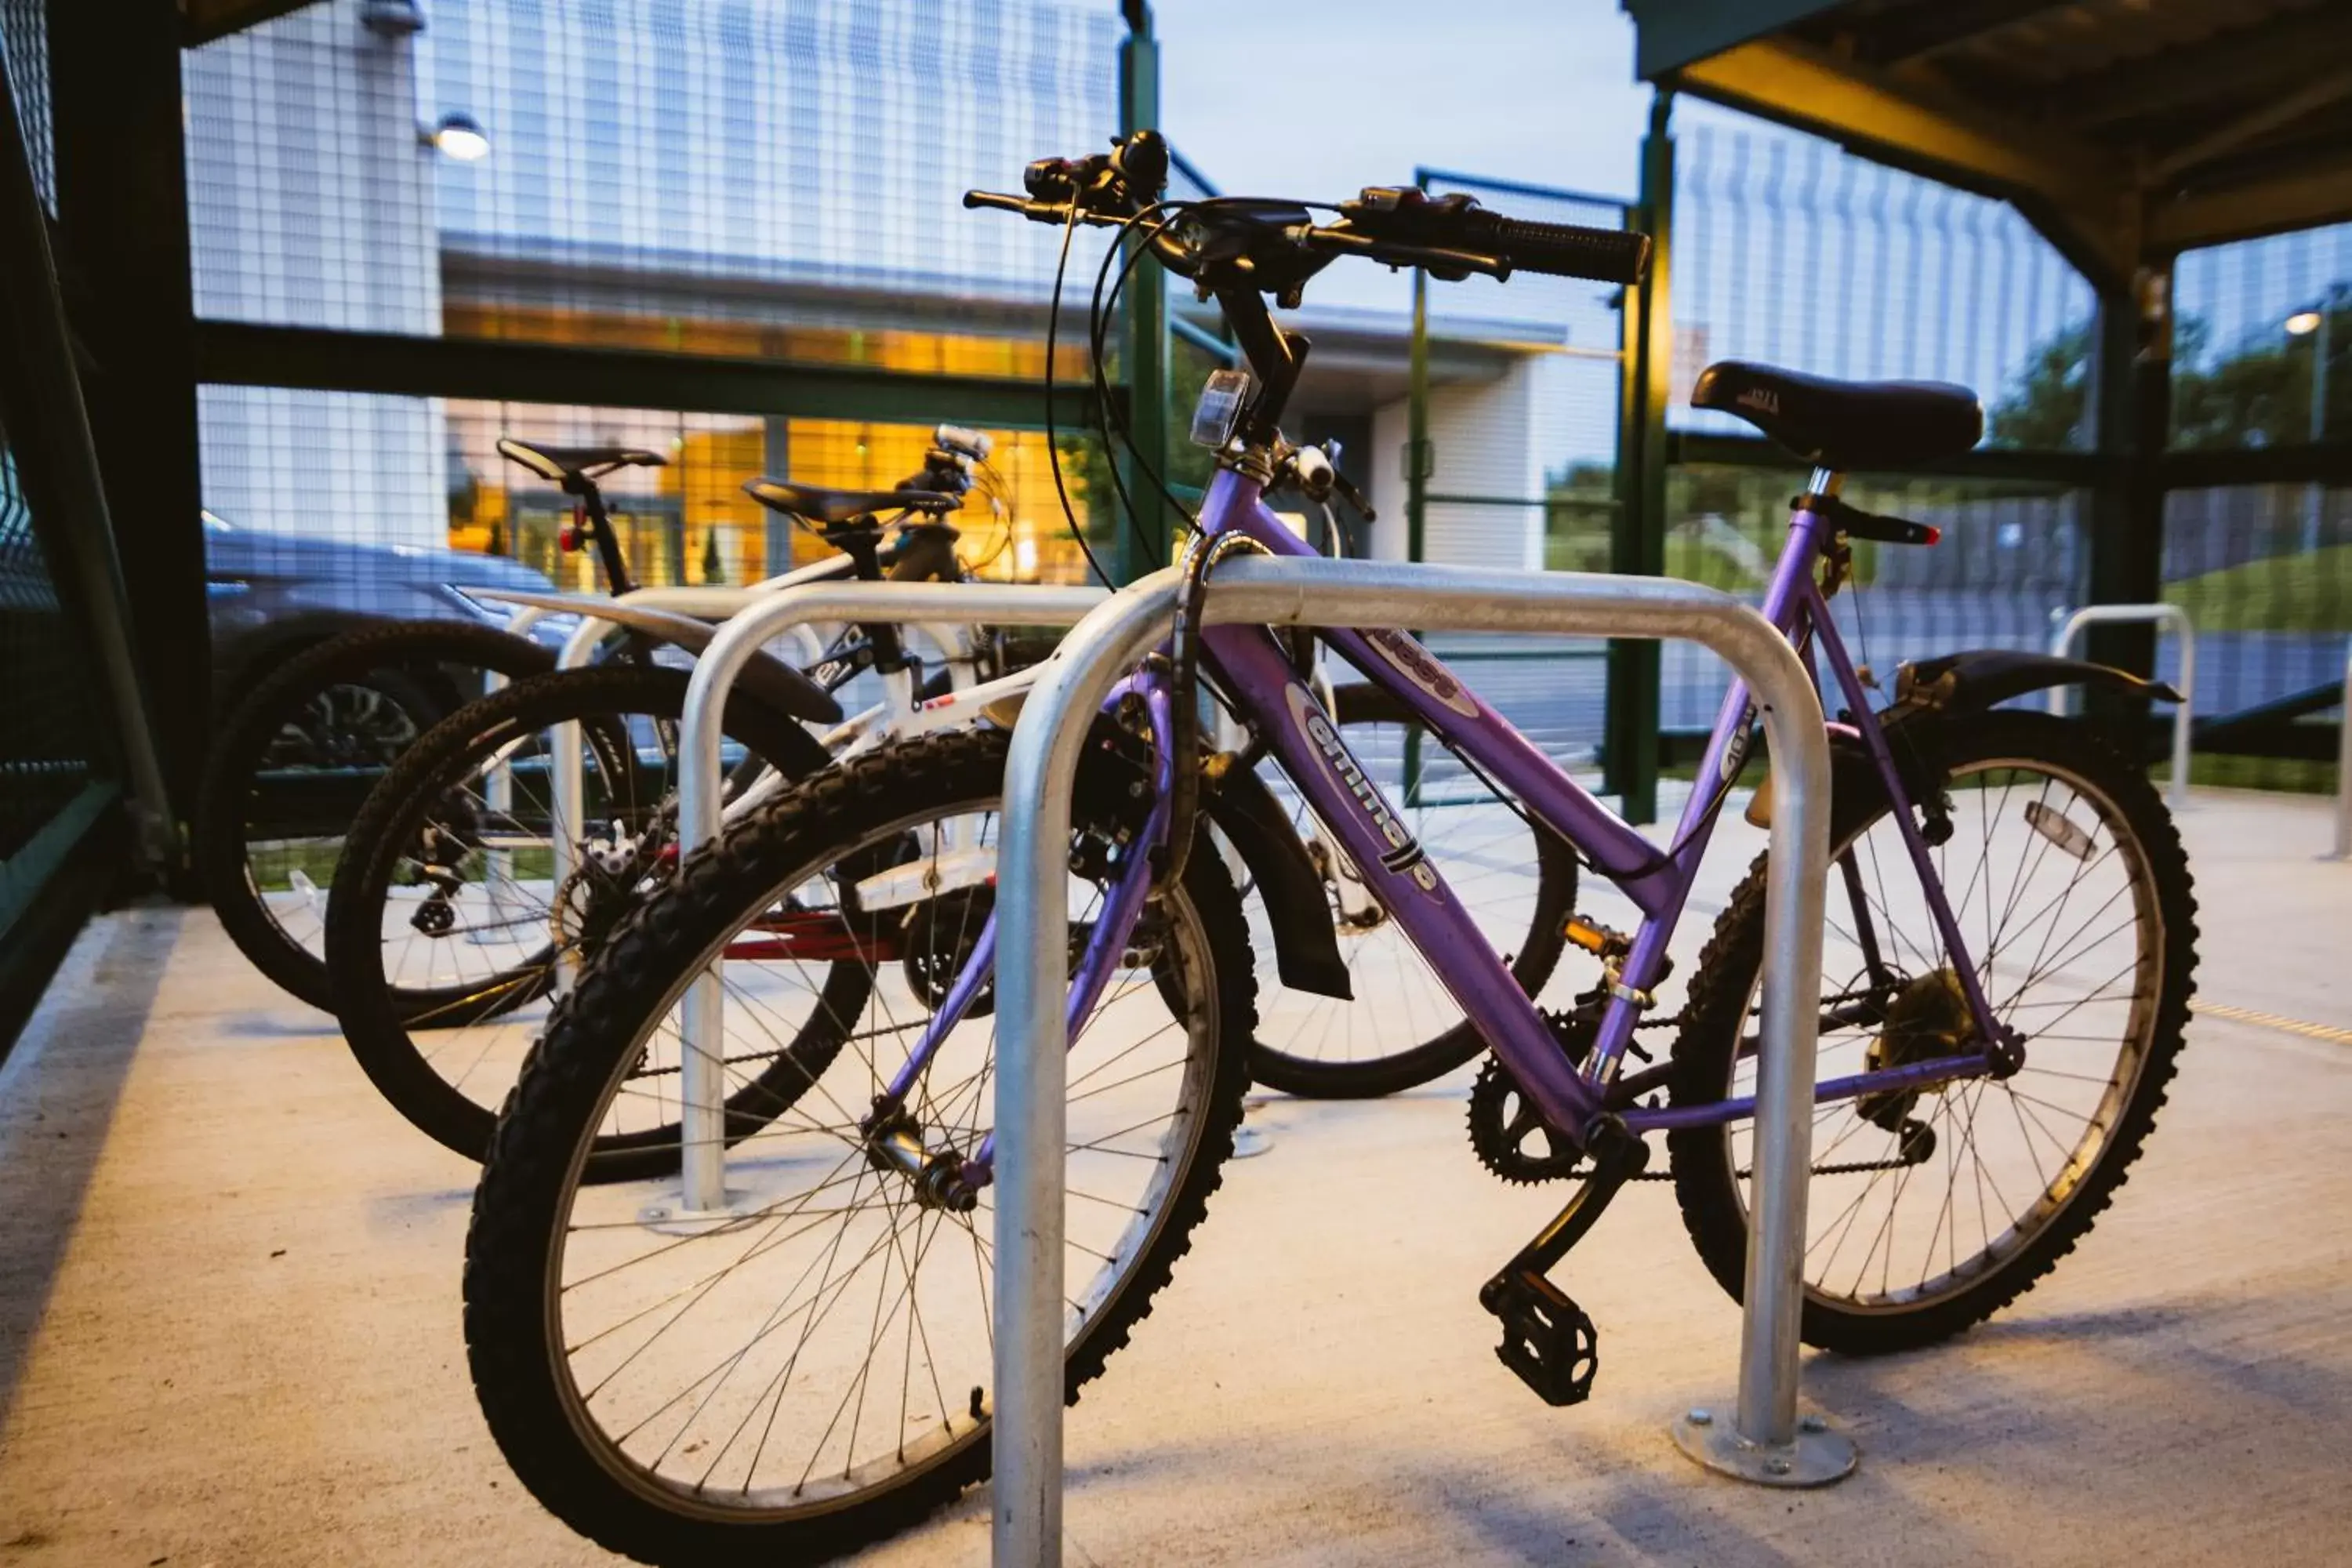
x: 1137, y: 551
x: 48, y: 439
x: 1419, y: 460
x: 1637, y: 533
x: 123, y: 214
x: 2133, y: 416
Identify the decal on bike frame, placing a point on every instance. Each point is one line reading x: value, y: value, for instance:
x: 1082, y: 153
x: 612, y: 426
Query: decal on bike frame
x: 1412, y: 661
x: 1404, y: 857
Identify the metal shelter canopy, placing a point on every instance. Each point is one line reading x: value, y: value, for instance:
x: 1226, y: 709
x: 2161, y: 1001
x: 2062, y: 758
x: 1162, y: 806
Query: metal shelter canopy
x: 2126, y: 131
x: 202, y: 21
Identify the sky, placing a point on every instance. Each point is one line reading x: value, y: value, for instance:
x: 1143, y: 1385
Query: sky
x: 1317, y: 99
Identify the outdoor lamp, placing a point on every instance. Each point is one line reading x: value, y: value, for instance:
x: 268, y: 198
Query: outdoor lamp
x: 458, y: 136
x: 392, y: 19
x: 2303, y: 324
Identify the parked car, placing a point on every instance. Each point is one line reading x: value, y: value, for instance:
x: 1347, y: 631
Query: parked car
x: 272, y: 595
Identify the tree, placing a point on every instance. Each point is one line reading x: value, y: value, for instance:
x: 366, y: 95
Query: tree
x: 2043, y: 411
x: 2257, y: 395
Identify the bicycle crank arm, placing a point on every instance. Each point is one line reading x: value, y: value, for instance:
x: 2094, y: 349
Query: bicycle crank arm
x: 1549, y: 1342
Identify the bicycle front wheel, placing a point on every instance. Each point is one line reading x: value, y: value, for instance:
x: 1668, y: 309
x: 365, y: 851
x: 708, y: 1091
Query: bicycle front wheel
x: 1402, y: 1029
x: 810, y: 1370
x: 1932, y: 1209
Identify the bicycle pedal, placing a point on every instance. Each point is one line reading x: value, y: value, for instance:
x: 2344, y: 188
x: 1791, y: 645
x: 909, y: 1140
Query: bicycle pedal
x: 1547, y: 1340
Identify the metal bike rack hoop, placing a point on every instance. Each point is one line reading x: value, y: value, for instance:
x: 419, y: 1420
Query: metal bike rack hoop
x: 701, y: 785
x: 600, y: 617
x: 2176, y: 793
x: 1765, y: 1443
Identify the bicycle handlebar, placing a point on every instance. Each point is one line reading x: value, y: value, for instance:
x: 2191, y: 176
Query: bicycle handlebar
x: 1451, y: 236
x: 1458, y: 222
x: 1236, y: 248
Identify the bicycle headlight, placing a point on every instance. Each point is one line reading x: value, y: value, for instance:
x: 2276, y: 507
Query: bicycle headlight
x: 1220, y: 408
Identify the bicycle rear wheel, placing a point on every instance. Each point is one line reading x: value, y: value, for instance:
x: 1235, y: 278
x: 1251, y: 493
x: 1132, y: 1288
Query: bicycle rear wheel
x: 1929, y: 1211
x: 447, y: 930
x: 289, y: 768
x: 1518, y: 879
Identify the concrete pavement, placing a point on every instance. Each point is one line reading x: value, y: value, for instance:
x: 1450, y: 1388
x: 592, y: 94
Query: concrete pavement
x: 228, y: 1327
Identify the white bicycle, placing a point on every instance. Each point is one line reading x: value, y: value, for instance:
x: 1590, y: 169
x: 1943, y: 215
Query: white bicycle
x: 501, y: 852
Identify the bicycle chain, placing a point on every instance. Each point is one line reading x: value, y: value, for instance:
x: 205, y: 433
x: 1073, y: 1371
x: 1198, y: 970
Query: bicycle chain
x: 1498, y: 1135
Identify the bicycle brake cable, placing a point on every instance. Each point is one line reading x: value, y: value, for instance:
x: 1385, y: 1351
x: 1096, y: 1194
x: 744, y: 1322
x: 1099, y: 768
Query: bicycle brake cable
x: 1053, y: 437
x: 1099, y: 314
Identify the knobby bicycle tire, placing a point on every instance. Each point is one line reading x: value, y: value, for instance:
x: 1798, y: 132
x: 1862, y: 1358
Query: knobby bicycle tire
x: 379, y: 1020
x: 231, y: 789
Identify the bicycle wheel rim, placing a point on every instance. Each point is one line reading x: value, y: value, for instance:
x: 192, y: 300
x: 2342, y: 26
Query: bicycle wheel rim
x: 1981, y: 1126
x: 818, y: 1491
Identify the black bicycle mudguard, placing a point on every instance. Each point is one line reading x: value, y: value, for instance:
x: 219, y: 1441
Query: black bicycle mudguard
x: 1305, y: 949
x: 1964, y: 682
x: 1932, y: 692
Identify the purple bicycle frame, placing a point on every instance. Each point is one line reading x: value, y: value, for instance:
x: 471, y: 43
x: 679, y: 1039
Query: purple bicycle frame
x: 1257, y: 678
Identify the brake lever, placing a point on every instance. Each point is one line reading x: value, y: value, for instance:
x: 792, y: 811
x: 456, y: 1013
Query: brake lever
x: 1352, y: 495
x: 1035, y: 211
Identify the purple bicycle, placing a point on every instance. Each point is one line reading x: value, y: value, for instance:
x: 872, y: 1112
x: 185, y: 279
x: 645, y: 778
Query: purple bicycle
x: 2008, y: 968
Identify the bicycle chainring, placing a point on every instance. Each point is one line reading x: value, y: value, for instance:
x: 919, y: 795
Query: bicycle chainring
x: 1507, y: 1132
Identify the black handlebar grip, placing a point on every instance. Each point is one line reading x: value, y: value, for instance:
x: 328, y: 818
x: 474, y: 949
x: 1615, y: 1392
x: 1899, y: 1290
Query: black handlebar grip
x: 1566, y: 250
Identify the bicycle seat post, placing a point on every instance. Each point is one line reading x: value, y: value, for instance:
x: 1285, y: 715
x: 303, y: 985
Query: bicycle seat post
x: 591, y: 513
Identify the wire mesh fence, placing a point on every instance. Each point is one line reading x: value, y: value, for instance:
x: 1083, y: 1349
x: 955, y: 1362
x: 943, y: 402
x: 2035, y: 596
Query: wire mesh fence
x: 1790, y: 251
x: 1787, y: 250
x: 693, y: 175
x: 778, y: 181
x: 24, y: 52
x: 49, y: 743
x: 2263, y: 360
x: 763, y: 181
x: 1517, y: 461
x: 2010, y: 563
